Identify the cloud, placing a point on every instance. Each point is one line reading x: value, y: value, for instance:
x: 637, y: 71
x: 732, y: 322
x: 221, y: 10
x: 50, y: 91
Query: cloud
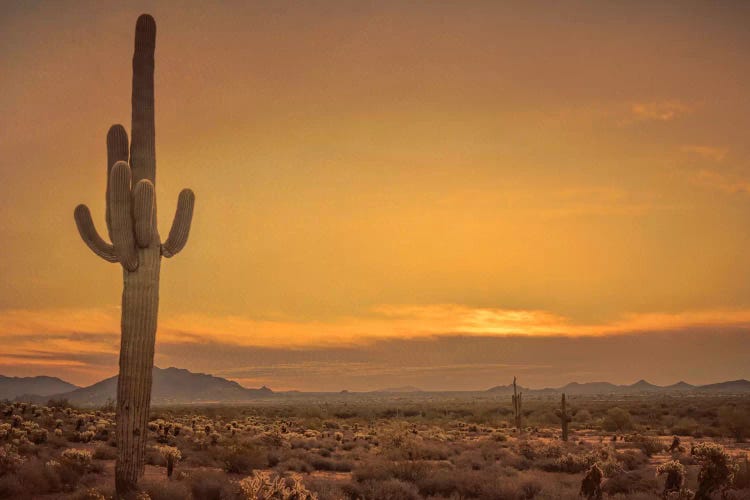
x: 85, y: 343
x: 722, y: 181
x: 662, y: 111
x: 711, y: 153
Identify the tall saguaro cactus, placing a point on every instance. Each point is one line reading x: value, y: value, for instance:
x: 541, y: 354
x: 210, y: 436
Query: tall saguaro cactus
x: 131, y: 223
x: 516, y: 399
x: 564, y: 416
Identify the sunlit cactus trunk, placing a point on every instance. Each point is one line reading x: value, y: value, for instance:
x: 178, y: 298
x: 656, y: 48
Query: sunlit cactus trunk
x: 131, y: 223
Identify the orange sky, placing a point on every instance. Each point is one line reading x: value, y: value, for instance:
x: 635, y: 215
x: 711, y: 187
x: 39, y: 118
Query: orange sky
x: 370, y: 173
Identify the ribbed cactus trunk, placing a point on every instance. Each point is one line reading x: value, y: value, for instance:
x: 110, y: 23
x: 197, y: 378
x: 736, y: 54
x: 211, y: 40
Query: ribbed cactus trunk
x: 131, y: 222
x: 516, y: 399
x: 564, y: 417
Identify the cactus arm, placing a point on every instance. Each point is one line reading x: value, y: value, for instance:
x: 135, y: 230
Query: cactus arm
x: 178, y: 234
x: 143, y: 212
x: 121, y: 216
x: 117, y: 150
x: 91, y: 237
x: 142, y: 148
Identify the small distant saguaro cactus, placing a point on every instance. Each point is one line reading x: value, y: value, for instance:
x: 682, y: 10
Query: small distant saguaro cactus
x: 565, y: 418
x: 516, y: 406
x: 136, y: 246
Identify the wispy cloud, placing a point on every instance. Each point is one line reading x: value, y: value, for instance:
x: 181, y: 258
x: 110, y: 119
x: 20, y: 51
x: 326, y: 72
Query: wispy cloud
x: 712, y: 153
x: 83, y: 344
x: 662, y: 111
x: 722, y: 181
x: 95, y: 332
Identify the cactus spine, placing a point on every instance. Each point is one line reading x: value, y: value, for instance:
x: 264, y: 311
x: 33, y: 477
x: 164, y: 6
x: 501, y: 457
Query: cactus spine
x: 131, y: 223
x: 516, y: 405
x: 565, y: 419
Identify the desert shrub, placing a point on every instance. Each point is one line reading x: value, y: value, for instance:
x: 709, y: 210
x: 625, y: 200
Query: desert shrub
x: 60, y: 403
x: 103, y: 452
x: 89, y: 494
x: 675, y: 475
x: 529, y: 490
x: 66, y: 472
x: 631, y: 459
x: 551, y: 450
x: 570, y: 463
x: 38, y: 478
x: 582, y: 416
x: 685, y: 427
x: 166, y: 490
x: 617, y: 420
x: 717, y: 469
x: 10, y: 487
x: 10, y: 460
x: 294, y: 464
x: 629, y: 483
x: 742, y: 475
x: 650, y: 445
x: 244, y: 458
x: 322, y: 463
x: 390, y: 489
x: 211, y: 485
x: 526, y: 450
x: 735, y: 421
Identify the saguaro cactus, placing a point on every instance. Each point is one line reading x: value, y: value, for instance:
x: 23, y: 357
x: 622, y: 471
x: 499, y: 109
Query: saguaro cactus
x: 131, y: 222
x: 516, y: 405
x: 565, y: 419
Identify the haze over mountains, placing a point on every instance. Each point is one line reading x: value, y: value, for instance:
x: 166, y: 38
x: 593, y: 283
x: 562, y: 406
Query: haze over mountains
x: 180, y: 386
x: 640, y: 387
x: 12, y: 387
x: 170, y: 386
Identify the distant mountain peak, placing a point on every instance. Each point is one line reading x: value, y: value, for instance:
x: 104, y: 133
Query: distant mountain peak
x: 42, y: 385
x: 170, y: 386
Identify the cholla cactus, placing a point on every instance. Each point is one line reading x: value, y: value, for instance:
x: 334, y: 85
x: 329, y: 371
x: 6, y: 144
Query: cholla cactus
x: 171, y: 455
x: 10, y: 460
x: 717, y: 469
x: 92, y: 494
x: 136, y: 245
x: 266, y: 485
x: 38, y: 436
x: 77, y: 458
x: 591, y: 485
x: 565, y: 419
x: 675, y: 473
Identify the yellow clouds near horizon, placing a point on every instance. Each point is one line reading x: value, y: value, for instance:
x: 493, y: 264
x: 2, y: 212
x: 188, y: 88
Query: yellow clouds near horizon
x: 83, y: 345
x: 97, y: 331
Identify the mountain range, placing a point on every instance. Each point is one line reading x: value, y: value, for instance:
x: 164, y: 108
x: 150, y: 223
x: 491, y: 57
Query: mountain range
x: 640, y: 387
x: 12, y: 387
x: 180, y: 386
x: 170, y: 386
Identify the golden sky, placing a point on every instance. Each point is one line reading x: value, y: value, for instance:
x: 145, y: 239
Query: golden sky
x: 489, y: 183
